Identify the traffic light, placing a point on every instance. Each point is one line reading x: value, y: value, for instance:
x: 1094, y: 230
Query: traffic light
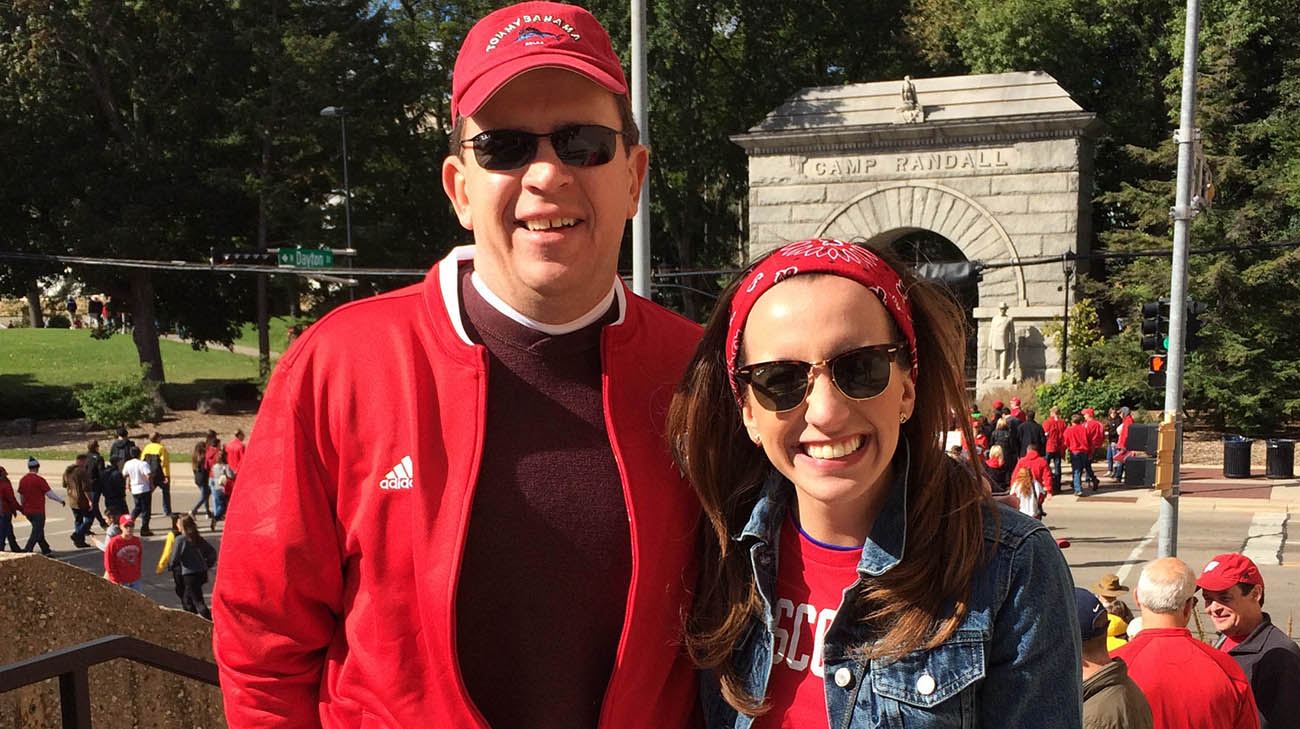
x: 1194, y: 324
x: 1156, y: 371
x: 1155, y: 326
x: 245, y: 258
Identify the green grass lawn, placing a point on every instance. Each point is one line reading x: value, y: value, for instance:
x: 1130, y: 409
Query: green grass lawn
x: 41, y: 368
x: 277, y: 329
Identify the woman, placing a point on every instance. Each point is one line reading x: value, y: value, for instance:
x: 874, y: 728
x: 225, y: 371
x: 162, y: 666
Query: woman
x: 192, y: 556
x: 853, y: 574
x: 199, y: 463
x: 219, y: 479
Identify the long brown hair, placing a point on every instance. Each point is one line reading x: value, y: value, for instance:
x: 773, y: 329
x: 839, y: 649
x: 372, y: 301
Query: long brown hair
x: 915, y: 605
x: 190, y: 529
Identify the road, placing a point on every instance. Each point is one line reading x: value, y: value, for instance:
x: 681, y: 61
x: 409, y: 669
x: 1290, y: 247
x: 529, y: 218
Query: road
x: 1112, y: 531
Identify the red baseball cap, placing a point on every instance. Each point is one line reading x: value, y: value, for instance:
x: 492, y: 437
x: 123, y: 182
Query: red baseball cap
x: 125, y: 519
x: 997, y: 404
x: 1226, y: 570
x: 519, y: 38
x: 1015, y: 401
x: 1088, y: 411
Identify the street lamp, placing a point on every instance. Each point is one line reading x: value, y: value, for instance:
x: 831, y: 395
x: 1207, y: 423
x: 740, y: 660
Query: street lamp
x: 342, y: 114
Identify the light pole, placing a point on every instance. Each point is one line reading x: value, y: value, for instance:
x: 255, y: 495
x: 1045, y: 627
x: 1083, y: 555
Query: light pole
x: 342, y: 114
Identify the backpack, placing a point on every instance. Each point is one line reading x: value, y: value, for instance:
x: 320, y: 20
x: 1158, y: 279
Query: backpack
x: 121, y: 450
x: 155, y: 468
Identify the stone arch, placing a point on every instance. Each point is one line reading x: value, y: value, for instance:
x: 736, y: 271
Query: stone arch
x: 923, y: 205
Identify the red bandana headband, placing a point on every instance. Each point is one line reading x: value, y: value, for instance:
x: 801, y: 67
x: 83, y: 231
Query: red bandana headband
x: 819, y: 255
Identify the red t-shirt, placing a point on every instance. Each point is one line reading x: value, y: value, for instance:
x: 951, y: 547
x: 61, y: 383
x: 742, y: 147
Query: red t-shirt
x: 122, y: 557
x: 8, y: 501
x: 234, y: 454
x: 810, y: 585
x: 1076, y: 439
x: 33, y: 488
x: 1055, y: 429
x: 1188, y: 683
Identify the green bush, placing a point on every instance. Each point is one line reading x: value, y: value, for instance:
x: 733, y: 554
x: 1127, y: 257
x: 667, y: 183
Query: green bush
x: 1071, y: 394
x: 128, y: 400
x: 58, y: 321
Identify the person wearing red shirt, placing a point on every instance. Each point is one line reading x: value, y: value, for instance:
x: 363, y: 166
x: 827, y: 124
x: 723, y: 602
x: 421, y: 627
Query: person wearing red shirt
x: 234, y: 457
x: 1054, y: 428
x: 1096, y: 439
x: 1037, y: 468
x: 32, y: 492
x: 123, y: 556
x: 1016, y: 412
x: 1076, y: 442
x: 1187, y: 683
x: 1121, y: 442
x: 8, y: 507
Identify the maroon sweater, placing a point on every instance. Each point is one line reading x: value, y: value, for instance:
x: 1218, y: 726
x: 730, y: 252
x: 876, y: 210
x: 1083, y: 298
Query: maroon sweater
x: 548, y: 557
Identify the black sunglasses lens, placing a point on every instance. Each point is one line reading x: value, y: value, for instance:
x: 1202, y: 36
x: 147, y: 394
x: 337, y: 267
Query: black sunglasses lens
x: 585, y: 145
x: 779, y: 386
x: 504, y: 149
x: 862, y: 373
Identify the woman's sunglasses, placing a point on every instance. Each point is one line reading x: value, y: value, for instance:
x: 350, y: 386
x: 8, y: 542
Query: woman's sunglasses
x: 578, y: 145
x: 860, y: 374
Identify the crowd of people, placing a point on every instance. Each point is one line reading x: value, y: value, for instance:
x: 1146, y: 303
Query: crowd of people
x: 1013, y: 446
x: 96, y: 491
x: 1150, y: 671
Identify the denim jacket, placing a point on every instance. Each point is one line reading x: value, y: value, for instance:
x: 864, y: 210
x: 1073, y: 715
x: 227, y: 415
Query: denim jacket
x: 1013, y: 662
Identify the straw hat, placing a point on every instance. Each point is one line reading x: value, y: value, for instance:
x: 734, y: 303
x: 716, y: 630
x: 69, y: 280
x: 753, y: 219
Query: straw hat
x: 1109, y: 586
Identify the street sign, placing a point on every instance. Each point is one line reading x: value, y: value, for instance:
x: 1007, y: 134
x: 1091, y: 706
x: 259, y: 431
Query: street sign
x: 306, y: 257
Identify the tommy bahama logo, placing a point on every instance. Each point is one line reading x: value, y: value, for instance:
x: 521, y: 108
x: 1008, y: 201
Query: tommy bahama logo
x: 529, y: 33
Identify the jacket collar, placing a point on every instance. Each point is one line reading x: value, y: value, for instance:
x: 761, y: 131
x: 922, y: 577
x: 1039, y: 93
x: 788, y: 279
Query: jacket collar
x: 1254, y: 642
x: 884, y: 547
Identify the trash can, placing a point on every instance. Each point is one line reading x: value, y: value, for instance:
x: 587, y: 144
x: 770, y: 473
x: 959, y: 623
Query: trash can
x: 1236, y: 456
x: 1281, y: 458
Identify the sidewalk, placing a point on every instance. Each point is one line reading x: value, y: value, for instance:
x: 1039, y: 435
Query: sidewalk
x: 1201, y: 487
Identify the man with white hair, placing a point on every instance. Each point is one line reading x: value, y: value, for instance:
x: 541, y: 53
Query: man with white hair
x: 1187, y: 683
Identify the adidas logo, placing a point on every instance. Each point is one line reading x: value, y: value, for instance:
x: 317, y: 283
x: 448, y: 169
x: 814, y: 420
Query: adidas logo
x: 400, y: 477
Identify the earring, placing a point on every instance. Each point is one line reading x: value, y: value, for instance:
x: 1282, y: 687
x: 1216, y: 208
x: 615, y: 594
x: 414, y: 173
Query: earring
x: 758, y: 440
x: 902, y: 418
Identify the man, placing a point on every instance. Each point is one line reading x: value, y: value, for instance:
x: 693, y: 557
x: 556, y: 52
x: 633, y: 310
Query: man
x: 1054, y: 431
x: 1111, y: 700
x: 138, y: 477
x: 465, y: 482
x: 1109, y: 590
x: 76, y: 482
x: 95, y: 469
x: 120, y: 449
x: 1015, y: 410
x: 1233, y: 590
x: 96, y: 308
x: 33, y: 490
x: 8, y: 507
x: 1096, y: 438
x: 160, y: 473
x: 1076, y: 442
x: 1037, y: 468
x: 124, y: 556
x: 234, y: 457
x: 1031, y: 433
x: 1187, y: 683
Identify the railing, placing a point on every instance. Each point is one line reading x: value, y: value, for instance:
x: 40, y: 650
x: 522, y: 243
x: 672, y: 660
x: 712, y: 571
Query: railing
x: 71, y: 666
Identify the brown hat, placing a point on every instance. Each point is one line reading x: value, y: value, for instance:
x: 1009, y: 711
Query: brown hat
x: 1109, y: 586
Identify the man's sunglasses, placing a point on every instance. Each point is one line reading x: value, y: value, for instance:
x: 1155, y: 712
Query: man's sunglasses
x: 860, y: 374
x: 578, y: 145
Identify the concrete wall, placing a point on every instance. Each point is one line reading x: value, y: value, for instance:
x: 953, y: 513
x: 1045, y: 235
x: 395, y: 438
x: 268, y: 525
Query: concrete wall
x: 46, y: 605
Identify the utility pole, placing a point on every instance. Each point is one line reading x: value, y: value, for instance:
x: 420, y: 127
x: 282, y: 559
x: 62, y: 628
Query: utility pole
x: 1183, y: 212
x: 641, y: 112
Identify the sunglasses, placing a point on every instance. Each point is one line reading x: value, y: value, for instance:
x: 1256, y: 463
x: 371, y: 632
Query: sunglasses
x: 577, y: 145
x: 860, y: 374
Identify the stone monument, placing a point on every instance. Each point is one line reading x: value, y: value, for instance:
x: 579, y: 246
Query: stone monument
x: 1002, y: 339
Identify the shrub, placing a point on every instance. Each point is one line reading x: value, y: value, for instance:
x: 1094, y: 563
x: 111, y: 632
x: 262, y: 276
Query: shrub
x: 57, y: 321
x: 1071, y: 394
x: 129, y: 401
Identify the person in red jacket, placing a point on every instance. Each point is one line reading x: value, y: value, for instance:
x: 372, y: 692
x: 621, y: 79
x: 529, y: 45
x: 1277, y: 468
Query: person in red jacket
x: 234, y: 458
x: 1037, y: 466
x: 1076, y: 442
x: 8, y: 507
x: 467, y: 514
x: 1121, y: 442
x: 1096, y: 439
x: 1187, y: 683
x: 1054, y: 430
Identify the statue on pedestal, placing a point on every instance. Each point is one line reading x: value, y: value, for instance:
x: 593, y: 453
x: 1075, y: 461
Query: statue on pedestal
x: 1002, y: 340
x: 911, y: 111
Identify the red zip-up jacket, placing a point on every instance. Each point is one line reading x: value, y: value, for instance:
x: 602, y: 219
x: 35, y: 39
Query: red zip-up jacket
x: 1037, y: 466
x: 1076, y: 439
x: 1096, y: 433
x: 336, y: 605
